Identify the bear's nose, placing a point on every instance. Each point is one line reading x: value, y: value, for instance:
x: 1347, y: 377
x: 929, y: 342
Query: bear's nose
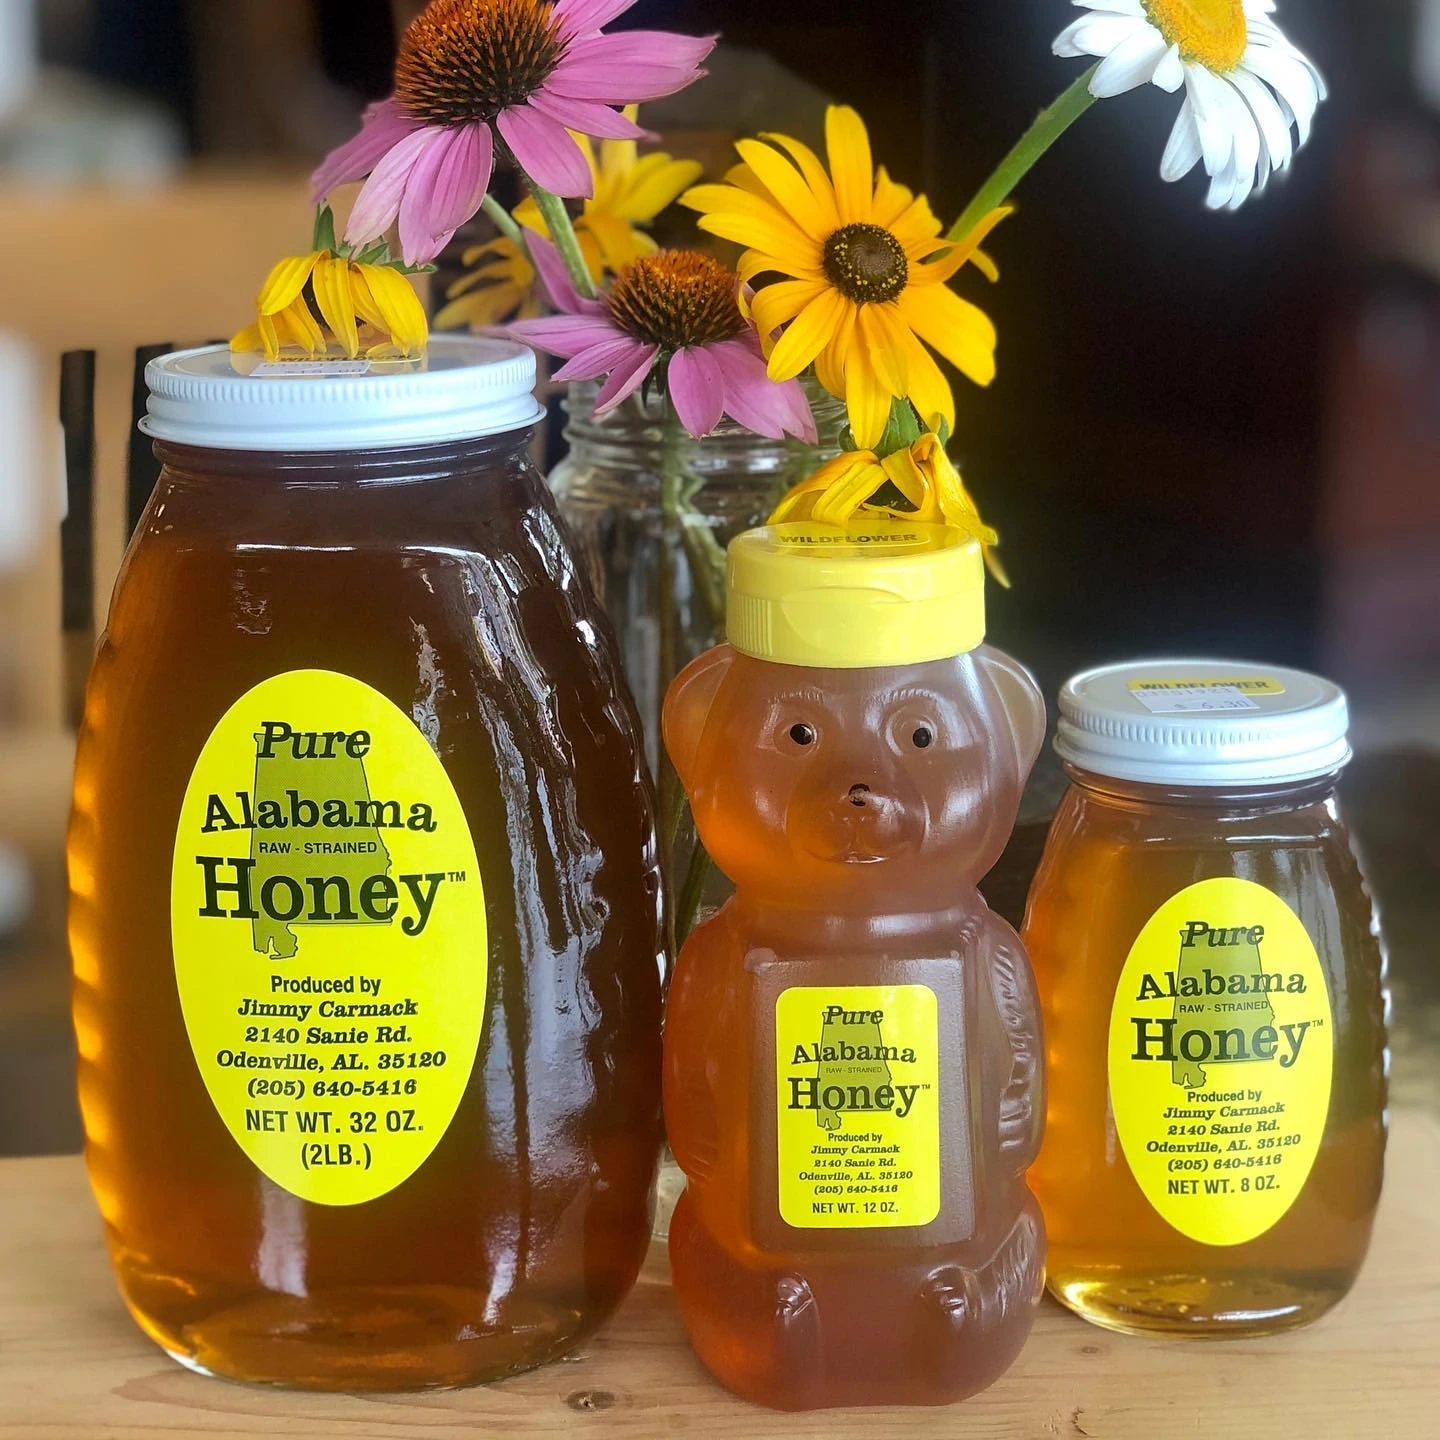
x: 859, y: 796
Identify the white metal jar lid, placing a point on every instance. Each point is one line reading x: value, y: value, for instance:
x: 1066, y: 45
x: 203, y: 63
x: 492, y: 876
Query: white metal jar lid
x: 464, y: 387
x: 1203, y: 722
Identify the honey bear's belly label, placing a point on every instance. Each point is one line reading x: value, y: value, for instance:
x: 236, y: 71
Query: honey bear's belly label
x: 329, y: 934
x: 1221, y: 1053
x: 857, y: 1106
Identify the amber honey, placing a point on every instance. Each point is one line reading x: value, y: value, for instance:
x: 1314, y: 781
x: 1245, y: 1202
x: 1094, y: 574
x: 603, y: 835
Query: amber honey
x: 435, y: 578
x: 1265, y: 1183
x: 852, y: 1055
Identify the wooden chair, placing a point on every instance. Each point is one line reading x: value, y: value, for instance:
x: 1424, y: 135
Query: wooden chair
x: 90, y: 272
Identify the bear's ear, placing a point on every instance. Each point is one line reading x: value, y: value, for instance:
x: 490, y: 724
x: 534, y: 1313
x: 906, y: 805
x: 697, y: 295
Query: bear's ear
x: 687, y: 707
x: 1024, y: 702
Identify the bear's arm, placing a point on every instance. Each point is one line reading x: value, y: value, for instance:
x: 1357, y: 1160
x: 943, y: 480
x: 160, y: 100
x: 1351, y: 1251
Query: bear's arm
x: 692, y: 1015
x: 1022, y: 1101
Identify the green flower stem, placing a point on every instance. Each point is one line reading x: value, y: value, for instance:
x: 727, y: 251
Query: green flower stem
x: 692, y: 891
x: 562, y: 232
x: 673, y: 808
x: 504, y: 221
x: 1046, y: 130
x: 707, y: 563
x: 672, y: 796
x: 680, y: 523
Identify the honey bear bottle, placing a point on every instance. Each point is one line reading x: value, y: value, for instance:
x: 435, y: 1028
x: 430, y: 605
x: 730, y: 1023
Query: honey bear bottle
x: 853, y: 1079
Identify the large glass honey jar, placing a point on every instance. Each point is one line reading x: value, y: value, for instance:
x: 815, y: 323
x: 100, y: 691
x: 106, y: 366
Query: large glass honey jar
x: 1213, y: 995
x: 366, y: 918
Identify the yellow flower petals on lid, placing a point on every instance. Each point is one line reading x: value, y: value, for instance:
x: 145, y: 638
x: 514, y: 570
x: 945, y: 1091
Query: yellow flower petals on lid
x: 286, y: 281
x: 924, y: 475
x: 395, y: 307
x: 301, y: 324
x: 333, y: 294
x: 346, y: 293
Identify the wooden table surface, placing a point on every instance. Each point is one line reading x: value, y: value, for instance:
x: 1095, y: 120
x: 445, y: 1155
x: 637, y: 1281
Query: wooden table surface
x: 73, y: 1365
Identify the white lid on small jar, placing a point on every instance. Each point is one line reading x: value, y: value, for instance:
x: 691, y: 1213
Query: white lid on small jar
x: 1203, y: 723
x: 463, y: 388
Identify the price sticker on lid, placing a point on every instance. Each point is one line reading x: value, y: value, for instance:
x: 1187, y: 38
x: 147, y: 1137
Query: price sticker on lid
x: 1202, y: 695
x: 270, y: 369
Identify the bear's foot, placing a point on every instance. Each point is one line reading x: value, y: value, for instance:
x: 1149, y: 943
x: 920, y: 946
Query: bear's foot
x: 756, y: 1330
x: 970, y: 1324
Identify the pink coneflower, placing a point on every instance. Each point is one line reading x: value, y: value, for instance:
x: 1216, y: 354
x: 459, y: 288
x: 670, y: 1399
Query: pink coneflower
x: 680, y: 308
x: 532, y: 70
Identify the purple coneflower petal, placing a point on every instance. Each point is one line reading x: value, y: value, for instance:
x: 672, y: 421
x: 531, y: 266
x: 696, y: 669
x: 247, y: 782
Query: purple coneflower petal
x: 588, y: 116
x: 555, y: 279
x: 795, y: 405
x: 618, y: 352
x: 383, y: 127
x: 564, y: 335
x: 446, y: 185
x: 632, y: 66
x: 546, y: 152
x: 801, y: 423
x: 697, y: 387
x: 625, y: 379
x: 379, y: 200
x: 582, y: 17
x: 758, y: 402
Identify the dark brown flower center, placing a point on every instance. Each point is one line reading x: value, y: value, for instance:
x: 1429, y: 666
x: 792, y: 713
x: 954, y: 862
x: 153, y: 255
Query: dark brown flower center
x: 676, y: 298
x: 466, y: 60
x: 866, y: 263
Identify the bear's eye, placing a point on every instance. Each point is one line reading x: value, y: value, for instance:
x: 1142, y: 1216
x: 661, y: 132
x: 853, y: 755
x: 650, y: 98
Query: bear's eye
x: 802, y: 734
x: 923, y: 737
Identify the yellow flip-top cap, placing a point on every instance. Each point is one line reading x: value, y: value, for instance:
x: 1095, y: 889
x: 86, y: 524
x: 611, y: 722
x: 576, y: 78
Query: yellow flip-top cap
x: 876, y: 592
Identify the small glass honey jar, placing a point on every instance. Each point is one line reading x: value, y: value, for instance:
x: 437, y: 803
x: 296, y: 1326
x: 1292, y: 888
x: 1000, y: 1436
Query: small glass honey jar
x: 1213, y: 993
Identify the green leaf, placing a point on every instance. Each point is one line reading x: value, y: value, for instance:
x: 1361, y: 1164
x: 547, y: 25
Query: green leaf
x: 324, y: 229
x: 902, y: 429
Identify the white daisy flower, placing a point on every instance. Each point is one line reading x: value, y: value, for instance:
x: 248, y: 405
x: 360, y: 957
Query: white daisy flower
x: 1245, y: 84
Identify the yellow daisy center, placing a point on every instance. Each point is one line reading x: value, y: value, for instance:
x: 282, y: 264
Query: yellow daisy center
x: 677, y: 298
x: 1211, y: 33
x: 866, y: 263
x: 466, y: 60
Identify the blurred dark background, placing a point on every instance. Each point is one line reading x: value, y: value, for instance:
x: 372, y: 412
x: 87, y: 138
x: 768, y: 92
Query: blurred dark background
x: 1210, y: 434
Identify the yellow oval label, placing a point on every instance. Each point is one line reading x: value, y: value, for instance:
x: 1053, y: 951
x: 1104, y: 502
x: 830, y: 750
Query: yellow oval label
x: 328, y: 923
x: 1221, y: 1053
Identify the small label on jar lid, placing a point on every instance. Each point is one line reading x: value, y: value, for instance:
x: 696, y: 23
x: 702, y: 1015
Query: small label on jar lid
x: 1200, y: 695
x: 1221, y: 1054
x: 328, y: 924
x: 269, y: 369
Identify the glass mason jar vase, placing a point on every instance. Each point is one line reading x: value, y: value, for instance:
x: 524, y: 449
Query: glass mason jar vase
x: 653, y: 513
x: 657, y: 547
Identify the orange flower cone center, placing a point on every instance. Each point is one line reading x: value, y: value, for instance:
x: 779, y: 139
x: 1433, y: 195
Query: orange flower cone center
x: 677, y: 298
x: 466, y: 60
x: 1212, y: 33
